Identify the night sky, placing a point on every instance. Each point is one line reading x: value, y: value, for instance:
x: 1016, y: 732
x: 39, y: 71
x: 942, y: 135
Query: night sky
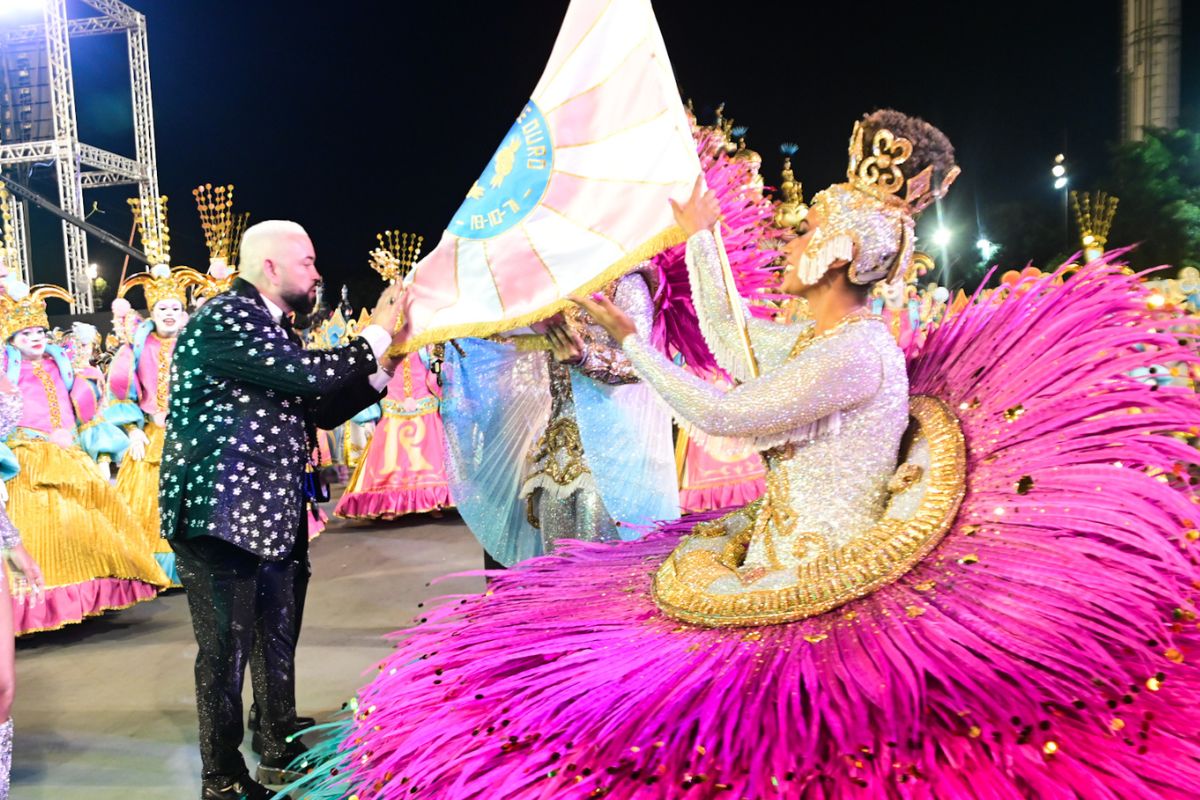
x: 354, y: 117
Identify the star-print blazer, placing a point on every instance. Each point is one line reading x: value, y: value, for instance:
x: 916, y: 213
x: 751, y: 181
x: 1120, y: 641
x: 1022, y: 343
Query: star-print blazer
x: 245, y: 398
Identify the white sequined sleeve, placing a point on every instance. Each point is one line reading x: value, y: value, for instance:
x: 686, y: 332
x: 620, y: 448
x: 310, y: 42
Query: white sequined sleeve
x: 772, y: 341
x: 830, y: 375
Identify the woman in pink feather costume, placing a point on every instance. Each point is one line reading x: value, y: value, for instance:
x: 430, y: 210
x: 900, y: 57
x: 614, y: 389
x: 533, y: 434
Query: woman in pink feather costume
x: 1044, y: 646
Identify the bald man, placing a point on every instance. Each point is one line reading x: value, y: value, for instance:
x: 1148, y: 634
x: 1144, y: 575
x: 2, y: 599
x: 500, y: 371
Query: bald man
x: 246, y: 399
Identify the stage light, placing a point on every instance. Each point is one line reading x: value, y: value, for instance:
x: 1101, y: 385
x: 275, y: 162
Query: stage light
x: 1059, y: 171
x: 987, y: 248
x: 92, y: 271
x: 19, y: 7
x: 941, y: 237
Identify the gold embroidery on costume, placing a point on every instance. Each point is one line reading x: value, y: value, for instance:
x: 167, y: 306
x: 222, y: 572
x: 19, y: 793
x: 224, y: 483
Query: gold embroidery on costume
x: 406, y: 376
x: 561, y: 436
x: 39, y: 371
x: 163, y: 389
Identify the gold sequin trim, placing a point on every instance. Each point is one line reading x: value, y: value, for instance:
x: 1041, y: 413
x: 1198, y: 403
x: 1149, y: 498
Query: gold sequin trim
x: 51, y: 390
x: 163, y: 389
x: 882, y: 555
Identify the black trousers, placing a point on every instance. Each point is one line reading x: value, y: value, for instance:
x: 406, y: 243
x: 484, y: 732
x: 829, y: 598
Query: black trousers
x: 235, y: 597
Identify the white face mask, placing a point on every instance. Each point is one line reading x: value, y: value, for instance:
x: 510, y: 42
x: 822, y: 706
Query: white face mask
x: 168, y: 317
x: 31, y: 342
x: 894, y: 293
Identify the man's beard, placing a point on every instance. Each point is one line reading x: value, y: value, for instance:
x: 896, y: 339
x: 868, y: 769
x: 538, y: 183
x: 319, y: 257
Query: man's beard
x: 301, y: 303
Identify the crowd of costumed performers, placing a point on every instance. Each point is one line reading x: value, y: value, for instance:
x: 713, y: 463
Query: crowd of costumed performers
x: 139, y: 373
x: 402, y: 469
x: 88, y: 536
x: 341, y: 449
x: 94, y: 554
x: 971, y: 573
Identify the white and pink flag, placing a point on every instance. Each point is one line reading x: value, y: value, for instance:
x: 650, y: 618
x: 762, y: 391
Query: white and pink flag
x: 576, y: 193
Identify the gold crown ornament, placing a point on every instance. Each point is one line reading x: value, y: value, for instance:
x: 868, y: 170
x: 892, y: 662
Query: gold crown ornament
x: 163, y: 283
x: 217, y: 280
x: 743, y: 153
x: 1094, y: 214
x: 23, y: 306
x: 396, y: 254
x: 791, y: 210
x: 151, y: 221
x: 869, y: 222
x: 875, y: 170
x: 222, y: 227
x: 716, y: 137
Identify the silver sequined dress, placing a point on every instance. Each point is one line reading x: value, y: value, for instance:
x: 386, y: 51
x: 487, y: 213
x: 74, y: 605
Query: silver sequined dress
x: 10, y: 415
x: 559, y: 487
x: 828, y: 412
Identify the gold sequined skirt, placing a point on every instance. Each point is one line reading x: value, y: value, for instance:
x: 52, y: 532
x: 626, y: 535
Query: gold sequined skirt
x: 137, y: 483
x: 73, y: 522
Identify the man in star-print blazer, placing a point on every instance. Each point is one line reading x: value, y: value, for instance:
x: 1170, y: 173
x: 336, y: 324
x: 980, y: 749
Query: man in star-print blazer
x: 246, y: 398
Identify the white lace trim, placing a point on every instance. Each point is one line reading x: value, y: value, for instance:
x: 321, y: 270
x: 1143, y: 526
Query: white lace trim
x: 816, y: 261
x: 731, y: 358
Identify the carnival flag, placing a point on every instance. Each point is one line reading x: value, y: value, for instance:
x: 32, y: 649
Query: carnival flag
x: 576, y: 193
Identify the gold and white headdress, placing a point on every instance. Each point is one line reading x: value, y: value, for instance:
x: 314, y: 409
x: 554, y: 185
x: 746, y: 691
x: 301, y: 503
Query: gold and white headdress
x: 870, y: 221
x: 163, y: 283
x: 223, y: 229
x: 23, y: 306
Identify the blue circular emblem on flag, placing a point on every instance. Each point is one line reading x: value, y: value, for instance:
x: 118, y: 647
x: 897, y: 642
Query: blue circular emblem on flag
x: 513, y: 182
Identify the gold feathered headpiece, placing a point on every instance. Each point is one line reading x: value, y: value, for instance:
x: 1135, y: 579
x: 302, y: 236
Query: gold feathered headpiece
x: 164, y: 283
x: 22, y: 306
x: 396, y: 254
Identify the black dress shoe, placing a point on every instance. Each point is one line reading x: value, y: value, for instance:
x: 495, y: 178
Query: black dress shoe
x: 286, y: 768
x: 241, y: 789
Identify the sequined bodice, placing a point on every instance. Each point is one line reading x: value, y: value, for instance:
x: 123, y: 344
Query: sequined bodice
x: 828, y: 413
x: 830, y: 422
x: 835, y: 484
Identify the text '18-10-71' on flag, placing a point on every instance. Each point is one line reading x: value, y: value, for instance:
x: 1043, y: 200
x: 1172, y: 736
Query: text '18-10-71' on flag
x: 575, y: 195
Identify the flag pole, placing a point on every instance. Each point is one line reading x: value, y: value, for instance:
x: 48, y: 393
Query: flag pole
x: 735, y: 303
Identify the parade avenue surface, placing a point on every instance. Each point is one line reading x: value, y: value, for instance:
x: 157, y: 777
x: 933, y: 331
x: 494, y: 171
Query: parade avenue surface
x: 107, y: 710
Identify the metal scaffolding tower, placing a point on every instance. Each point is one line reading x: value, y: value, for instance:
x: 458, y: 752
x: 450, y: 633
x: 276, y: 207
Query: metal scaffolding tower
x: 39, y: 124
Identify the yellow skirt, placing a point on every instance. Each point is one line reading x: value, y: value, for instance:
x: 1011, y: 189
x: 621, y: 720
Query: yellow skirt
x: 74, y: 523
x: 137, y: 483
